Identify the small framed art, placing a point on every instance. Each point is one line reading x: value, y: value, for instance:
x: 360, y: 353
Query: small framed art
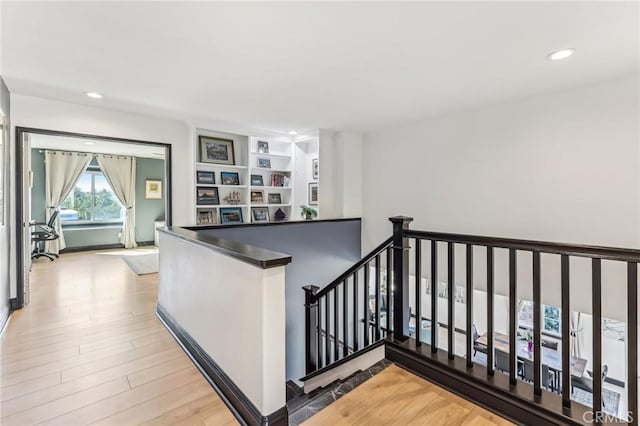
x: 257, y: 197
x: 206, y: 195
x: 256, y: 180
x: 313, y: 194
x: 230, y: 178
x: 216, y: 150
x: 230, y: 215
x: 260, y: 214
x: 153, y: 189
x: 315, y: 168
x: 264, y: 163
x: 263, y: 147
x: 275, y: 198
x: 207, y: 217
x: 205, y: 178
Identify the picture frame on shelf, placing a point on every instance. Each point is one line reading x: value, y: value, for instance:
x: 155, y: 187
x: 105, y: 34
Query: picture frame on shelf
x: 275, y: 198
x: 230, y: 178
x: 153, y: 189
x: 216, y: 150
x: 263, y: 147
x: 207, y: 217
x: 256, y: 180
x: 207, y: 195
x: 230, y: 215
x: 260, y: 214
x: 257, y: 197
x: 280, y: 215
x: 313, y: 193
x: 264, y: 163
x: 315, y: 168
x: 205, y: 178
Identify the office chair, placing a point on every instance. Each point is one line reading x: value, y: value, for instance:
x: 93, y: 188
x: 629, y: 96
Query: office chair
x: 43, y: 232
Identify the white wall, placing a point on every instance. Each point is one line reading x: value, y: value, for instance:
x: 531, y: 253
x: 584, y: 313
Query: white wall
x: 557, y: 167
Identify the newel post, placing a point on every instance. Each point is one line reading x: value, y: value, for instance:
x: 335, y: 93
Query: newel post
x: 401, y: 312
x: 310, y: 327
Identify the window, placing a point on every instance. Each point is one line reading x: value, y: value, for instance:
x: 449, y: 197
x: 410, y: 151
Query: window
x: 91, y: 201
x: 550, y: 317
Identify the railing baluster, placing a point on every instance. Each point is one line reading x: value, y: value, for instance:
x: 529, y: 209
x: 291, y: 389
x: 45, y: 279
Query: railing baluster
x: 537, y: 311
x: 596, y: 301
x: 565, y: 290
x: 345, y: 318
x: 327, y: 329
x: 319, y: 344
x: 418, y: 292
x: 355, y: 312
x: 389, y: 287
x: 452, y: 297
x: 434, y: 296
x: 490, y: 283
x: 513, y: 319
x: 311, y: 327
x: 336, y: 348
x: 469, y: 306
x: 377, y: 319
x: 632, y: 341
x: 365, y: 306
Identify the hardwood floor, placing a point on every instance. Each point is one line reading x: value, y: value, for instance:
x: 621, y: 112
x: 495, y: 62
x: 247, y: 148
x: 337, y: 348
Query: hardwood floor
x: 89, y: 349
x: 397, y: 397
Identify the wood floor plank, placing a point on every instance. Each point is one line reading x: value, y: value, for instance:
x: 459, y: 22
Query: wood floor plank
x: 28, y: 387
x: 154, y: 372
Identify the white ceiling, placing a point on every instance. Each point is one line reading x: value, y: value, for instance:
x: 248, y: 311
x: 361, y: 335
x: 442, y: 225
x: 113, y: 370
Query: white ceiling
x: 97, y: 146
x: 281, y: 66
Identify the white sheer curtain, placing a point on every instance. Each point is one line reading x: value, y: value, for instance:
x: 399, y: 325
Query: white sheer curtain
x: 577, y: 334
x: 62, y: 171
x: 120, y: 172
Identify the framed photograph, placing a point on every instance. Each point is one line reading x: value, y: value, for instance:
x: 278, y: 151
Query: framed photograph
x: 216, y: 150
x: 257, y: 197
x: 207, y: 195
x: 256, y: 180
x: 313, y: 194
x: 263, y: 147
x: 275, y: 198
x: 230, y: 215
x: 230, y: 178
x: 314, y: 168
x: 264, y: 163
x: 260, y: 214
x: 153, y: 189
x: 207, y: 178
x: 207, y: 217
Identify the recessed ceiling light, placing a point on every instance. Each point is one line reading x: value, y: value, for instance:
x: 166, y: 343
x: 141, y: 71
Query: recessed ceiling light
x: 561, y: 54
x: 94, y: 95
x: 89, y: 143
x: 293, y: 133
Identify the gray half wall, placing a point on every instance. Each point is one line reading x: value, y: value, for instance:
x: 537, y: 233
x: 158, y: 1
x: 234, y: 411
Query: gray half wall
x: 320, y: 250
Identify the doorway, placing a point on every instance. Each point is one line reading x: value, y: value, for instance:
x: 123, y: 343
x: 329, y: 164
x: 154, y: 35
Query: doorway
x: 78, y: 179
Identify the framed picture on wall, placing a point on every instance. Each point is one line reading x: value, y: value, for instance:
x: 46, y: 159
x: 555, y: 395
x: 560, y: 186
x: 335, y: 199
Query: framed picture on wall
x: 206, y: 178
x: 230, y: 215
x: 260, y: 214
x: 314, y: 168
x: 256, y: 180
x: 313, y: 194
x: 216, y: 150
x: 207, y: 195
x: 153, y: 189
x: 230, y: 178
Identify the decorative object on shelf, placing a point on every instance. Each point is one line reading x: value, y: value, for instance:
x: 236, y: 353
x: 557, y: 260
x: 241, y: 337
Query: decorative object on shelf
x: 257, y: 197
x: 286, y: 182
x: 256, y: 180
x: 280, y: 215
x: 153, y: 189
x: 260, y: 214
x: 308, y: 213
x: 275, y: 198
x: 207, y: 217
x: 216, y: 150
x: 277, y: 179
x: 207, y: 195
x: 263, y: 147
x: 264, y: 163
x: 207, y: 178
x: 313, y: 193
x: 233, y: 198
x: 230, y: 178
x: 314, y: 168
x: 230, y: 215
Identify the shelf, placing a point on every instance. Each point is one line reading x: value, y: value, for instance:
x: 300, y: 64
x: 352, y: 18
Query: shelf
x: 265, y: 169
x: 220, y: 166
x: 257, y: 154
x: 270, y: 205
x: 217, y: 206
x: 221, y: 186
x: 270, y: 187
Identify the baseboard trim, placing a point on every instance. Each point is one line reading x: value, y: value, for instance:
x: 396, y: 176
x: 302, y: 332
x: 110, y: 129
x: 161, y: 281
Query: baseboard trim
x: 91, y: 248
x: 243, y: 409
x: 5, y: 324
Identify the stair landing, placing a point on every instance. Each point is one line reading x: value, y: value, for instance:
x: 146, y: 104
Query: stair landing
x: 395, y: 396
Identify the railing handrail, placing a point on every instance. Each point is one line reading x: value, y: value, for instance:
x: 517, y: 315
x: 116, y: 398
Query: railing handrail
x: 368, y: 258
x: 599, y: 252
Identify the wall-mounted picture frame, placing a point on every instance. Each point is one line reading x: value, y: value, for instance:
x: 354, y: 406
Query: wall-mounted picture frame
x: 256, y: 180
x: 260, y: 214
x: 207, y: 217
x: 231, y: 215
x: 313, y: 193
x: 153, y: 189
x: 205, y: 178
x: 264, y: 163
x: 216, y: 150
x: 275, y: 198
x: 315, y: 168
x: 230, y: 178
x: 263, y: 147
x: 207, y: 195
x: 257, y: 197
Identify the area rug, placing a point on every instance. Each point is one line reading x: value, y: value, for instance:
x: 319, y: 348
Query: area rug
x: 142, y: 263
